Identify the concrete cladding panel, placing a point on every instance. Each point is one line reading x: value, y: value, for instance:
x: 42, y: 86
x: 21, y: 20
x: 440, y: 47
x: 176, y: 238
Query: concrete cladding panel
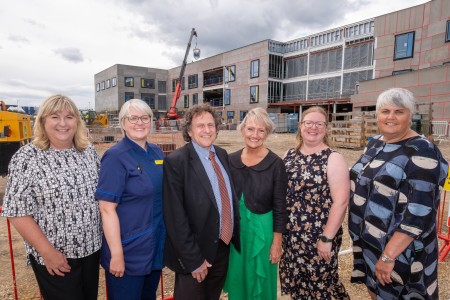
x: 432, y: 75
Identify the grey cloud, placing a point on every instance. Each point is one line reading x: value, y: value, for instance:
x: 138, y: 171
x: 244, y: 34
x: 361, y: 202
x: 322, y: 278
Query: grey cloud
x: 18, y: 39
x: 70, y: 54
x: 34, y: 23
x: 227, y: 25
x: 31, y: 94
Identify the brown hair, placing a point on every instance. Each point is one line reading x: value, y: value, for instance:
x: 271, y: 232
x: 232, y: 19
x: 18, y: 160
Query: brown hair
x: 54, y: 104
x: 317, y: 109
x: 194, y: 111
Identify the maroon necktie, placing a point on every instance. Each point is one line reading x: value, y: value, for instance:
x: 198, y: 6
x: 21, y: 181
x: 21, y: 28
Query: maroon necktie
x: 227, y: 230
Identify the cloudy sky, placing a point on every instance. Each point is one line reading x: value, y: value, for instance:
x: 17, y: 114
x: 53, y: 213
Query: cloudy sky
x: 56, y: 46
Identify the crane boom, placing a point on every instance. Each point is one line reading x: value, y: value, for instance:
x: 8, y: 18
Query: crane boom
x: 172, y: 114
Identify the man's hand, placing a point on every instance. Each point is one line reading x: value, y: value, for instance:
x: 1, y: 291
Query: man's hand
x: 201, y: 272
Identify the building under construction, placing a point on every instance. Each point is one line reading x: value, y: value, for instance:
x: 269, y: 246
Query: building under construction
x: 344, y: 69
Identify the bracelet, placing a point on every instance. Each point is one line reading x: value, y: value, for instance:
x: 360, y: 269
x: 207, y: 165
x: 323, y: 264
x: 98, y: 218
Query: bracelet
x: 387, y: 259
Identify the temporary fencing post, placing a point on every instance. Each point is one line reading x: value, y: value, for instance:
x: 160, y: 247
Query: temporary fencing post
x: 11, y: 256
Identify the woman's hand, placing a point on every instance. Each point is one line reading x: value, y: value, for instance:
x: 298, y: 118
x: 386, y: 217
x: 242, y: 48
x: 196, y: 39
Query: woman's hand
x: 276, y: 249
x: 383, y: 271
x: 117, y: 265
x: 55, y: 262
x: 324, y: 250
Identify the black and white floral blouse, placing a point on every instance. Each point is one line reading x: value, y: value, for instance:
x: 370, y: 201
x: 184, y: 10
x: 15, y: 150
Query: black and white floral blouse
x: 56, y: 188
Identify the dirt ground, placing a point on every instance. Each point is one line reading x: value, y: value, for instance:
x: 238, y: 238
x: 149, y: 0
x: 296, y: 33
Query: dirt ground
x: 232, y: 141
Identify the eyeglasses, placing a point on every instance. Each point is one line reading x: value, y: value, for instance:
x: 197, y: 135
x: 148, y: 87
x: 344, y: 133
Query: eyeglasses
x: 134, y: 119
x: 319, y: 125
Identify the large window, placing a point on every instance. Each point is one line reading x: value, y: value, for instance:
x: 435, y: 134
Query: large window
x: 161, y: 86
x: 254, y: 94
x: 274, y: 91
x: 358, y: 55
x: 275, y: 66
x: 447, y: 33
x: 325, y: 61
x: 230, y: 115
x: 193, y: 81
x: 186, y: 101
x: 296, y: 66
x: 230, y: 73
x: 129, y: 96
x: 254, y: 68
x: 149, y: 99
x: 404, y: 45
x: 147, y: 83
x: 129, y: 81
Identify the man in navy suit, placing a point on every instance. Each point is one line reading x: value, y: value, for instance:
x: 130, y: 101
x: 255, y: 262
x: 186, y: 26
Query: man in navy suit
x: 196, y: 248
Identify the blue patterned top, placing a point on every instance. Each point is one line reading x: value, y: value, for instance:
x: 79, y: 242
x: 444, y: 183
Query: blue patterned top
x: 396, y: 187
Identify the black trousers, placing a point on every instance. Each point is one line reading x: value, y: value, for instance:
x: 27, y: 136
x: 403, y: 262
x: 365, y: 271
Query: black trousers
x: 81, y: 283
x: 188, y: 288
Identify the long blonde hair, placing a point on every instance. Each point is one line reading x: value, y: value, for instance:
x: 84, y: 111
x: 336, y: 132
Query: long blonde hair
x: 54, y: 104
x: 318, y: 109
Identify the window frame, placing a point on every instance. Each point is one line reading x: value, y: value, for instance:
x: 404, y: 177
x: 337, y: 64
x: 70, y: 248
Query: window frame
x: 193, y: 81
x: 129, y: 94
x: 113, y: 81
x: 148, y: 83
x: 108, y: 83
x: 151, y: 97
x: 130, y: 82
x: 227, y: 97
x: 195, y: 99
x: 97, y: 87
x: 102, y: 85
x: 410, y: 38
x: 254, y: 68
x: 256, y: 87
x: 447, y: 32
x: 230, y: 73
x: 186, y: 101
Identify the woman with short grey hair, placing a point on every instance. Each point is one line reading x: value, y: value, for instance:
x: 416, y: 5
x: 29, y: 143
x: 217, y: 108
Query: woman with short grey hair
x: 395, y: 191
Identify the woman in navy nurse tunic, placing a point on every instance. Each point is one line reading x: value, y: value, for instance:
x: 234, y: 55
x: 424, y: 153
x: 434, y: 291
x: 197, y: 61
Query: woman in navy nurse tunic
x: 130, y: 199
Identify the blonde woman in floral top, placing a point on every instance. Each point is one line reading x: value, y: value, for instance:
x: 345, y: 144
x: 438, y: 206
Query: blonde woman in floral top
x: 317, y: 198
x: 49, y: 199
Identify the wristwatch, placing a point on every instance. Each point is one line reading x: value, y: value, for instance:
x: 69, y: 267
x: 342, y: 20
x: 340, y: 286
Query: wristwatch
x: 324, y: 239
x: 386, y: 259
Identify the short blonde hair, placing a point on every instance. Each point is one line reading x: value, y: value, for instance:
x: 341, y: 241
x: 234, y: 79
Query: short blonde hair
x: 312, y: 109
x: 50, y: 106
x: 260, y: 116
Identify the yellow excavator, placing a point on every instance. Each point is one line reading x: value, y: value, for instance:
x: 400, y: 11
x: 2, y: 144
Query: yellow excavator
x: 15, y: 131
x: 91, y: 117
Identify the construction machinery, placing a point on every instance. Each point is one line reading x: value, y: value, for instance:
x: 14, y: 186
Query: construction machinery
x: 15, y: 131
x: 172, y: 114
x: 91, y: 117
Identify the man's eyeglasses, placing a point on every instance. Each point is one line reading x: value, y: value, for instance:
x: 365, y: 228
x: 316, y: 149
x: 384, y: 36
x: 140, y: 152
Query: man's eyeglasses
x: 318, y: 124
x: 134, y: 119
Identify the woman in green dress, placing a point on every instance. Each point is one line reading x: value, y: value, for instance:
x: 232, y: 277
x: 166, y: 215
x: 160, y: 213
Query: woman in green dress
x: 260, y: 180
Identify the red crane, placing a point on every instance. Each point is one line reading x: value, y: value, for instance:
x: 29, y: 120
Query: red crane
x: 172, y: 114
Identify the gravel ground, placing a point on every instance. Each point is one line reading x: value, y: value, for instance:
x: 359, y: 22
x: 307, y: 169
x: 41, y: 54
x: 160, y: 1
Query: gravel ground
x: 232, y: 141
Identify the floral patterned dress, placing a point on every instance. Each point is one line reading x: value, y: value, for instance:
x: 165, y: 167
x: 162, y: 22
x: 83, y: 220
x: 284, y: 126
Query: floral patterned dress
x: 303, y: 274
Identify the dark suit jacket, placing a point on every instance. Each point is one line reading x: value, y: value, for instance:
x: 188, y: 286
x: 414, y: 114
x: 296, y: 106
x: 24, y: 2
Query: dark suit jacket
x: 190, y: 210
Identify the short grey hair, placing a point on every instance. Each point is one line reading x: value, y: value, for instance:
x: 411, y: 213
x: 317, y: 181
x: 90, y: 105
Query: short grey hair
x: 258, y: 115
x: 138, y: 105
x: 397, y: 97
